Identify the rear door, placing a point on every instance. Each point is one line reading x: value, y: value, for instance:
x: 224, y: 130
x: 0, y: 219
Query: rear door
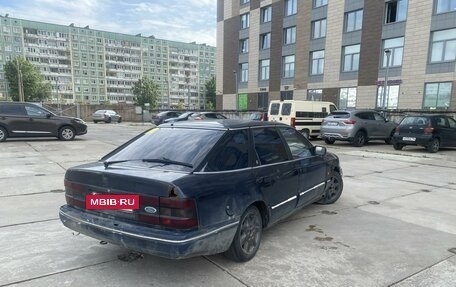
x: 13, y: 117
x: 274, y: 111
x: 311, y: 168
x: 452, y: 135
x: 39, y: 122
x: 447, y: 134
x: 275, y: 174
x: 381, y: 128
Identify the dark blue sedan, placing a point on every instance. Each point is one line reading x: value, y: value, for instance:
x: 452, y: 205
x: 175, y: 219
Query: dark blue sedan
x: 203, y: 187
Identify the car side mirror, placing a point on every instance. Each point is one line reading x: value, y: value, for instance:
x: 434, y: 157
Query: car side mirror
x: 48, y: 116
x: 320, y: 150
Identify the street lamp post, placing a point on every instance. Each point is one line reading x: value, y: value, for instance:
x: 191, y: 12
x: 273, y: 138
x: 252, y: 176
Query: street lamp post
x: 19, y: 82
x: 385, y: 86
x: 236, y: 89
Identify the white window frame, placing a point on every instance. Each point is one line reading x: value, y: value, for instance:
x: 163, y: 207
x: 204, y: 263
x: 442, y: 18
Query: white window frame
x: 319, y: 28
x: 291, y: 7
x: 288, y: 66
x: 266, y: 14
x: 244, y: 69
x: 357, y: 23
x: 317, y: 62
x: 244, y: 45
x: 265, y: 41
x: 264, y: 69
x: 320, y: 3
x: 352, y: 57
x: 446, y: 104
x: 444, y: 6
x: 289, y: 35
x: 245, y: 21
x: 445, y: 43
x: 397, y: 52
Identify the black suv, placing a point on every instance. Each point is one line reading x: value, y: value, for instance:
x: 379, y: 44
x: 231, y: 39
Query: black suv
x: 31, y: 120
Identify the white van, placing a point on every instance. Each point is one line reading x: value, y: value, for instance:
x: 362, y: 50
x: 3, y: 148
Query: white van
x: 305, y: 116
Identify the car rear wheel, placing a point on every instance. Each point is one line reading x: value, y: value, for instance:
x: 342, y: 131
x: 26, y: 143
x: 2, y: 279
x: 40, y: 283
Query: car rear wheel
x: 359, y: 139
x: 3, y: 134
x: 433, y: 146
x: 329, y: 141
x: 398, y: 146
x: 248, y: 236
x: 108, y: 120
x: 95, y: 122
x: 66, y: 133
x: 333, y: 190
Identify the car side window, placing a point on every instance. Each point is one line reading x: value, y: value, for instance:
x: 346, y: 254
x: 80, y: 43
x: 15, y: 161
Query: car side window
x: 35, y: 112
x: 14, y: 110
x: 379, y: 117
x: 452, y: 123
x: 269, y: 145
x: 299, y: 146
x: 218, y: 116
x: 230, y: 154
x: 441, y: 122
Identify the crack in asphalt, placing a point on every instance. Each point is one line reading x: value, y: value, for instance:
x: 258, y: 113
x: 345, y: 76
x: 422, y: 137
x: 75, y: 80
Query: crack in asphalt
x: 421, y: 270
x: 224, y: 270
x: 30, y: 222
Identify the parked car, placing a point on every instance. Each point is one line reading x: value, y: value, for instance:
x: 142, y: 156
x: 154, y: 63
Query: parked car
x: 357, y: 127
x: 430, y: 131
x: 204, y: 187
x: 182, y: 117
x: 259, y: 116
x: 19, y: 119
x: 106, y: 116
x: 207, y: 116
x: 162, y: 116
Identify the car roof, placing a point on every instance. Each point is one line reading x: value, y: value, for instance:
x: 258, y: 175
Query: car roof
x: 222, y: 124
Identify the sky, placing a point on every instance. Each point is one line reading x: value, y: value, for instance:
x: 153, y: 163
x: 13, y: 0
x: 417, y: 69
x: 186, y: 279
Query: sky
x: 177, y: 20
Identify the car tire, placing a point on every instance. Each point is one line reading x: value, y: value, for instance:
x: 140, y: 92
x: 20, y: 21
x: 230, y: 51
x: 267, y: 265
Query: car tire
x: 359, y: 139
x: 247, y: 239
x: 433, y: 146
x: 66, y: 133
x: 390, y: 139
x: 398, y: 146
x: 329, y: 141
x: 3, y: 134
x: 333, y: 189
x: 108, y: 120
x: 119, y: 120
x: 95, y: 122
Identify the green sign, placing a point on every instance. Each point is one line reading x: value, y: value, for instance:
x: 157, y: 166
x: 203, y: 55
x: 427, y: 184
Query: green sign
x: 242, y: 102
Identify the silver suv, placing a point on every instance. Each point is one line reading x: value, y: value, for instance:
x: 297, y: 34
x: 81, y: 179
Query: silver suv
x: 357, y: 127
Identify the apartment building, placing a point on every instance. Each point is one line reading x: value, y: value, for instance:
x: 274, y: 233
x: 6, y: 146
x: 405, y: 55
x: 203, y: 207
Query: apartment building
x: 395, y: 54
x: 85, y: 65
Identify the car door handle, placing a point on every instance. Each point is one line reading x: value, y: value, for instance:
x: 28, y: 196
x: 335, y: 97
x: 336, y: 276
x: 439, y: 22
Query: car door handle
x: 265, y: 180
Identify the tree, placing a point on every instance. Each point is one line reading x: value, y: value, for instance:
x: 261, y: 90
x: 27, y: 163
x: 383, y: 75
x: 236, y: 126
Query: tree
x: 34, y: 86
x: 210, y: 93
x: 146, y: 91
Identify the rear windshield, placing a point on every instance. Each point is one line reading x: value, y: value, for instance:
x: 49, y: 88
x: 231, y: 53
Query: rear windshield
x: 275, y: 109
x: 415, y: 121
x: 177, y: 144
x: 342, y: 115
x: 100, y: 112
x: 286, y: 109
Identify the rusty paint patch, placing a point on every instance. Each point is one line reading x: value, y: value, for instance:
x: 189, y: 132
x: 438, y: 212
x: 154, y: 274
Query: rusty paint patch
x: 327, y: 238
x: 327, y: 212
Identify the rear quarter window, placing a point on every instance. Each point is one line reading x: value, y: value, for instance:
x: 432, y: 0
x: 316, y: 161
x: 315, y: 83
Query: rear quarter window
x: 275, y: 109
x: 415, y: 121
x: 286, y: 109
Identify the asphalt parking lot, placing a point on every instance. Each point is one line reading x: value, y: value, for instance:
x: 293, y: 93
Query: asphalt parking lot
x: 395, y: 225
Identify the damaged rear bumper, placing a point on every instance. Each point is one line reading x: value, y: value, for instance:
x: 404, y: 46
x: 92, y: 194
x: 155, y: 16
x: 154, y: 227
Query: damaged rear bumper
x: 163, y: 243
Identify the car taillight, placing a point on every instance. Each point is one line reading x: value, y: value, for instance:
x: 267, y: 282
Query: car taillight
x: 293, y: 122
x: 170, y: 212
x: 428, y: 130
x: 75, y: 193
x: 349, y: 122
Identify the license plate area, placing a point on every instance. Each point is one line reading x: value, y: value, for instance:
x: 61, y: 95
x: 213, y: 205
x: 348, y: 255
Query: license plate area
x: 409, y: 139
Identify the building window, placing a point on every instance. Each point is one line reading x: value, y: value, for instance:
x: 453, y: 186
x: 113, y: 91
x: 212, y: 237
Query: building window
x: 443, y: 46
x: 288, y: 66
x: 244, y: 1
x: 353, y: 21
x: 396, y: 11
x: 291, y: 7
x: 392, y: 96
x: 314, y: 95
x: 319, y: 3
x: 351, y: 58
x: 263, y: 101
x: 266, y: 14
x: 244, y: 67
x: 265, y: 41
x: 244, y: 46
x: 319, y: 29
x: 264, y: 69
x: 245, y: 21
x: 286, y: 95
x: 347, y: 98
x: 437, y: 95
x: 317, y: 62
x: 289, y: 35
x: 443, y: 6
x: 396, y: 46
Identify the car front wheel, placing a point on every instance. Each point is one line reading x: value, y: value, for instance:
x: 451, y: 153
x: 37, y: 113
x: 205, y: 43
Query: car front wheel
x: 66, y: 133
x: 433, y: 146
x: 333, y: 189
x: 3, y: 134
x: 248, y: 236
x: 397, y: 146
x: 119, y: 120
x: 108, y: 120
x: 329, y: 141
